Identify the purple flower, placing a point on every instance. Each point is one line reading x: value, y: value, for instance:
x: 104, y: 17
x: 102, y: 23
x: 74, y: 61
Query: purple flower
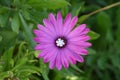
x: 60, y: 42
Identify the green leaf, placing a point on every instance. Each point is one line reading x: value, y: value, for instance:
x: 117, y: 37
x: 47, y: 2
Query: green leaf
x: 50, y: 4
x: 118, y: 25
x: 82, y: 18
x: 37, y: 16
x: 44, y: 70
x: 104, y: 28
x: 25, y: 79
x: 8, y: 39
x: 7, y: 58
x: 0, y: 38
x: 26, y: 14
x: 27, y: 31
x: 3, y: 75
x: 76, y: 68
x: 115, y: 59
x: 27, y: 70
x: 3, y: 10
x: 77, y: 8
x: 3, y: 19
x: 65, y: 72
x: 21, y: 51
x: 20, y: 63
x: 15, y: 23
x: 91, y: 51
x: 36, y: 53
x: 93, y: 35
x: 5, y: 2
x: 104, y: 23
x: 102, y: 60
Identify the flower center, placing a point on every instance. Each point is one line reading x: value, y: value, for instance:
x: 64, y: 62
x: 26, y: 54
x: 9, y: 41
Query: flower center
x: 60, y: 42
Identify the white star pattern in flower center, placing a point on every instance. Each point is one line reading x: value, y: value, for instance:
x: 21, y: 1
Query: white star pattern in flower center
x: 60, y: 42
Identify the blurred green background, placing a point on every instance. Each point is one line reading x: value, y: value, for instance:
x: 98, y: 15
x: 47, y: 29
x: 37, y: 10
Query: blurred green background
x: 18, y: 60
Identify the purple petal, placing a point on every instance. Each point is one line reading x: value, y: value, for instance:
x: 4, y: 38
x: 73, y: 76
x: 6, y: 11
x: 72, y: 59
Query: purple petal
x: 52, y: 19
x: 69, y: 56
x: 47, y: 51
x: 78, y: 50
x: 59, y: 22
x: 77, y: 31
x: 67, y: 19
x: 80, y: 38
x: 41, y: 27
x: 43, y: 46
x: 52, y: 64
x: 52, y: 54
x: 37, y: 32
x: 45, y: 30
x: 64, y: 61
x: 73, y: 22
x: 85, y: 31
x: 81, y: 44
x: 42, y: 54
x: 42, y: 34
x: 66, y: 23
x: 58, y: 61
x: 53, y: 60
x: 43, y: 40
x: 77, y: 56
x: 49, y: 26
x: 54, y: 23
x: 71, y: 25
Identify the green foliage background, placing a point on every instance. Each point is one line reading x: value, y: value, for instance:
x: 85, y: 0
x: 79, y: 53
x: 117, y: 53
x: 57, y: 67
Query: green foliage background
x: 18, y: 60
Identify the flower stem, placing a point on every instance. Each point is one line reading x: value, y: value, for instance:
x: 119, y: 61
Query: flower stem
x: 100, y: 10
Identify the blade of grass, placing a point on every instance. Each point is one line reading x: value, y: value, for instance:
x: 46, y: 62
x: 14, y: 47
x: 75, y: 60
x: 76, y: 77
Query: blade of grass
x: 27, y: 31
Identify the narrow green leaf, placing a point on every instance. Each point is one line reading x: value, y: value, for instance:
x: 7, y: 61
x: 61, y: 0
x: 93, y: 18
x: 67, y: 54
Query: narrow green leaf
x: 1, y: 67
x: 115, y: 60
x: 12, y: 62
x: 27, y: 31
x: 15, y: 23
x: 93, y: 35
x: 77, y: 8
x: 50, y: 4
x: 102, y: 60
x: 20, y: 63
x: 0, y: 38
x: 65, y: 72
x: 29, y: 69
x: 8, y: 39
x: 7, y: 57
x: 26, y: 14
x: 44, y: 70
x: 3, y: 75
x: 3, y: 19
x: 3, y: 10
x: 82, y: 18
x: 104, y: 23
x: 76, y: 68
x: 38, y: 16
x: 25, y: 79
x: 104, y: 28
x: 118, y: 25
x: 36, y: 53
x: 91, y: 51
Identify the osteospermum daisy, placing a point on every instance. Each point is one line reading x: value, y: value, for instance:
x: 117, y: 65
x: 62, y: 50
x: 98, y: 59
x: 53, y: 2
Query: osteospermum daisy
x: 60, y: 42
